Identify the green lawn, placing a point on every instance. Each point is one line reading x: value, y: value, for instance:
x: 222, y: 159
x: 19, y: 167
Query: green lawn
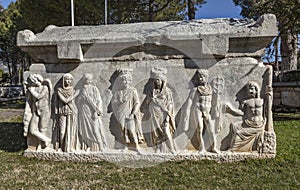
x: 283, y: 172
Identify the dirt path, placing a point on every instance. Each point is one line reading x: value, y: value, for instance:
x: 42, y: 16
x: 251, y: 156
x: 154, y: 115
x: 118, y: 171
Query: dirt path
x: 6, y: 114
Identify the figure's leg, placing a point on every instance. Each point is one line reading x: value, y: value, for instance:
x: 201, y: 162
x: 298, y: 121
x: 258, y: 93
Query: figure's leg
x: 34, y: 130
x: 62, y: 131
x: 211, y: 132
x: 169, y: 141
x: 44, y: 121
x: 97, y: 132
x: 199, y: 120
x: 167, y: 133
x: 133, y: 136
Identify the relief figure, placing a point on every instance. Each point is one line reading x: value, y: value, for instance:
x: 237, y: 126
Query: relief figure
x: 90, y: 125
x: 161, y: 108
x: 199, y: 106
x: 126, y: 108
x: 248, y: 133
x: 67, y: 115
x: 37, y: 108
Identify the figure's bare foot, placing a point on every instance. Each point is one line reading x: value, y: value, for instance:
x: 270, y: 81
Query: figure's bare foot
x: 214, y: 150
x: 47, y: 142
x: 39, y: 147
x: 202, y: 151
x: 47, y: 149
x: 125, y: 149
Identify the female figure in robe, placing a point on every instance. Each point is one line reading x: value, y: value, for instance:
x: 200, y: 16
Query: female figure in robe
x: 67, y: 115
x: 90, y: 126
x: 161, y: 108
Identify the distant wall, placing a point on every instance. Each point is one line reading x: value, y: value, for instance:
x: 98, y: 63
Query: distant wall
x: 287, y: 92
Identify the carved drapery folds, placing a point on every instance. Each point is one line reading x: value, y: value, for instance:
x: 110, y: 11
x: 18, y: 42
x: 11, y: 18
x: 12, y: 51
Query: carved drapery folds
x: 79, y: 127
x: 167, y: 88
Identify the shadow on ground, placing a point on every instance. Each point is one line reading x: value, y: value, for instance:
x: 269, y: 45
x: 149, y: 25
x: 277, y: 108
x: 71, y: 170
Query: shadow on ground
x: 11, y: 137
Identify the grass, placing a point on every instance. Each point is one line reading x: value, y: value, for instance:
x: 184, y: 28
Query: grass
x: 282, y: 172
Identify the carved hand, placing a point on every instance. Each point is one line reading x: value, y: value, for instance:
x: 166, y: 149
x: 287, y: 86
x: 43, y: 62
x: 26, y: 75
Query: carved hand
x: 131, y: 116
x: 99, y: 112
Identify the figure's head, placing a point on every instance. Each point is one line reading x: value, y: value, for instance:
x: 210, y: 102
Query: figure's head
x: 202, y: 76
x: 67, y: 79
x: 88, y: 78
x: 126, y: 77
x: 159, y: 76
x: 158, y: 83
x: 35, y: 79
x: 253, y: 89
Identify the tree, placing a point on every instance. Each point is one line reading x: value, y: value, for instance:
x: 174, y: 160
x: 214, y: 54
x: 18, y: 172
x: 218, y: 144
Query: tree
x: 192, y: 7
x: 58, y: 12
x: 288, y: 16
x: 10, y: 54
x: 128, y: 11
x: 35, y: 15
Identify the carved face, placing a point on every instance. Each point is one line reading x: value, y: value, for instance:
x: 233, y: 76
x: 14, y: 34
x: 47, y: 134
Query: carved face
x: 68, y: 81
x: 88, y: 79
x: 252, y: 91
x: 158, y: 83
x: 126, y: 81
x: 202, y: 79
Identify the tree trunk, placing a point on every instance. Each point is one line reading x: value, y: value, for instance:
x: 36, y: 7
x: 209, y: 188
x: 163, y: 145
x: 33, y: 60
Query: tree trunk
x: 15, y: 73
x: 289, y: 51
x: 191, y: 9
x: 151, y: 12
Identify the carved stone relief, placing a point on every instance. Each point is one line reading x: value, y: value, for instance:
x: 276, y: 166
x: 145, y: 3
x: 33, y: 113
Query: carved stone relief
x: 90, y: 126
x: 161, y: 108
x: 144, y: 93
x: 37, y: 109
x: 248, y: 134
x: 66, y: 112
x: 80, y: 128
x: 126, y: 108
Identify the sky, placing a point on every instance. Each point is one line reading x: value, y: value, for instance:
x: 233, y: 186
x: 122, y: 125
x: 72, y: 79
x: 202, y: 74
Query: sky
x: 212, y: 9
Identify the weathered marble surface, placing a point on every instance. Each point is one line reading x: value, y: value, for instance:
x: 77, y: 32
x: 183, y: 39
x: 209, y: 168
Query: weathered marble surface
x: 164, y: 60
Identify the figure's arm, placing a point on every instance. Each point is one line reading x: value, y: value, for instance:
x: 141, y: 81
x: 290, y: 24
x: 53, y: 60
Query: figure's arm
x: 77, y: 92
x: 64, y: 99
x: 233, y: 111
x: 136, y: 105
x: 190, y: 100
x: 115, y: 98
x: 99, y: 103
x: 27, y: 114
x: 38, y: 95
x: 170, y: 105
x: 188, y: 109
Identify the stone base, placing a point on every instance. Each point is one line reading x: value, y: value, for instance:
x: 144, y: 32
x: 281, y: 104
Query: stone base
x: 137, y: 160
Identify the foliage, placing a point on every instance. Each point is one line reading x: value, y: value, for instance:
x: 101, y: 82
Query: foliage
x: 283, y: 172
x: 10, y: 54
x: 288, y: 16
x: 49, y: 12
x: 89, y: 12
x: 35, y: 15
x: 128, y: 11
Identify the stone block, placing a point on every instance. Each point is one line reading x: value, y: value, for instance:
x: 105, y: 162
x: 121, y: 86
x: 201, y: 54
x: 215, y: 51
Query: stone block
x: 290, y: 98
x: 150, y: 91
